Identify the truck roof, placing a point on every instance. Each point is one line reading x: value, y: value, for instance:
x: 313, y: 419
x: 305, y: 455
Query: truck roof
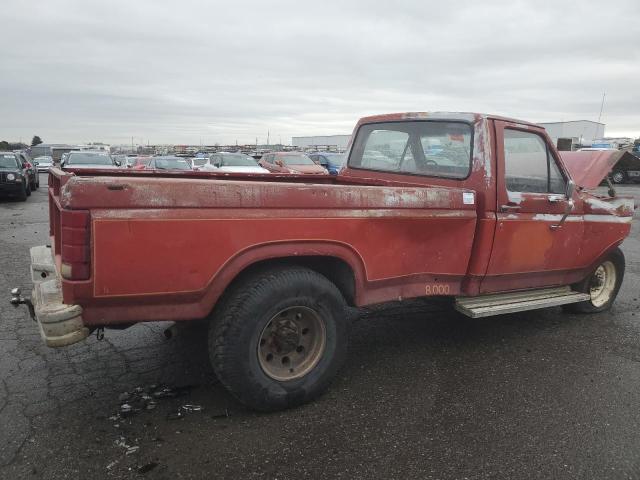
x: 465, y: 116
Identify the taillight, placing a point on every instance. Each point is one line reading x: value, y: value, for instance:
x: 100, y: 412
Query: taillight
x: 75, y: 244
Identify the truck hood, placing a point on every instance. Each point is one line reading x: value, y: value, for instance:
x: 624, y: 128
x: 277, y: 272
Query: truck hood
x: 589, y: 168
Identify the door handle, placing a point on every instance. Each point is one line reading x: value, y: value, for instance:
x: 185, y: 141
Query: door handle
x: 556, y: 198
x: 509, y: 207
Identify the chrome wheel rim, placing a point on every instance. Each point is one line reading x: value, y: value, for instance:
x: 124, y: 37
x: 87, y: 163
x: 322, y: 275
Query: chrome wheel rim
x: 292, y: 343
x: 602, y: 284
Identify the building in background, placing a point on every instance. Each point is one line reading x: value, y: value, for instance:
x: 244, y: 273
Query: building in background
x: 322, y: 142
x: 574, y: 133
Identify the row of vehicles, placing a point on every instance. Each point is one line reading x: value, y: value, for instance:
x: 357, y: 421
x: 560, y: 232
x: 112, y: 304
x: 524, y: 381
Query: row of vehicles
x: 229, y: 162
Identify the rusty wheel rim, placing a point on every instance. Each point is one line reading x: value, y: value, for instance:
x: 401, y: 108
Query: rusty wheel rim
x: 603, y: 284
x: 292, y: 343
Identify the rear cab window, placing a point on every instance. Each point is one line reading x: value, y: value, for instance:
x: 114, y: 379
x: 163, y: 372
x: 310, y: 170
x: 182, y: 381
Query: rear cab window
x: 427, y: 148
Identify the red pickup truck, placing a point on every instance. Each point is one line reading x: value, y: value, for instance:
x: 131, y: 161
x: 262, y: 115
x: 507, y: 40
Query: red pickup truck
x: 477, y: 208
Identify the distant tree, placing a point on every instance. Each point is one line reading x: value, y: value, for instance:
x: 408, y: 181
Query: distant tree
x: 4, y: 145
x: 36, y: 140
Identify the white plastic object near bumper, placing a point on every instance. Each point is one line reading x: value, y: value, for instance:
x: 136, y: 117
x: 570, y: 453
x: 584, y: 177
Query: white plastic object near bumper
x: 60, y: 324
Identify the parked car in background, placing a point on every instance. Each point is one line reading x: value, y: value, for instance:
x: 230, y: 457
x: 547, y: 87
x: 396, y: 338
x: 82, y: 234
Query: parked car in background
x: 14, y: 177
x: 199, y: 161
x: 329, y: 160
x: 89, y: 159
x: 168, y: 162
x: 291, y: 162
x: 230, y: 162
x: 25, y: 159
x: 43, y: 163
x: 139, y: 163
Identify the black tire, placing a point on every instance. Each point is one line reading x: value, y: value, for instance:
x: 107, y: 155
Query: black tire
x: 241, y: 318
x: 618, y: 176
x: 24, y: 193
x: 616, y: 258
x: 33, y: 186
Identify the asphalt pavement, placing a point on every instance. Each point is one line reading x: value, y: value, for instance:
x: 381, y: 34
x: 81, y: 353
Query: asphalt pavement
x: 425, y: 394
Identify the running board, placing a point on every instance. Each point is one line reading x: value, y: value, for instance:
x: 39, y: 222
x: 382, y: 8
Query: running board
x: 497, y: 304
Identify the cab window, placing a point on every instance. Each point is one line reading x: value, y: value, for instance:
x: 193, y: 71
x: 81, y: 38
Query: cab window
x: 530, y: 166
x: 429, y: 148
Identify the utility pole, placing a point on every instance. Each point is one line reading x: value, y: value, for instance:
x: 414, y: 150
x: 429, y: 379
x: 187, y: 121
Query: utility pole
x: 268, y: 137
x: 601, y: 106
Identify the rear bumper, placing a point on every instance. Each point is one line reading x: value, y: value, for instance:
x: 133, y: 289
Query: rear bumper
x: 60, y: 324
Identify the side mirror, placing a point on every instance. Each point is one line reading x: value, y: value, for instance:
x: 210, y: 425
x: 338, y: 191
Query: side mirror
x: 279, y: 163
x: 36, y: 163
x: 571, y: 186
x: 117, y: 162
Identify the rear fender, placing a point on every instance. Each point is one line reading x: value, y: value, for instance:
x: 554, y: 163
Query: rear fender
x: 285, y: 251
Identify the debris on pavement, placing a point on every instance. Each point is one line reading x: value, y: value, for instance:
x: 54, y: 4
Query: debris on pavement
x: 128, y: 449
x: 146, y: 468
x: 146, y: 398
x: 184, y: 409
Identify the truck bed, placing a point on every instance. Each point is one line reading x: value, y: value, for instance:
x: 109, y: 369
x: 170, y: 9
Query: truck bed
x: 165, y: 246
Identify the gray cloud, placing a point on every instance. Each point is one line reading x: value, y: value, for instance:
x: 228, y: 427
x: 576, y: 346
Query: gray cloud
x: 183, y: 71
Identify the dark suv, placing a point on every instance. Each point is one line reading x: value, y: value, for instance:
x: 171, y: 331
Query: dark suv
x: 14, y: 177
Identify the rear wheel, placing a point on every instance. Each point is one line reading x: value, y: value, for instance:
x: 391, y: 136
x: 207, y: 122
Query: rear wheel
x: 602, y: 284
x: 278, y: 338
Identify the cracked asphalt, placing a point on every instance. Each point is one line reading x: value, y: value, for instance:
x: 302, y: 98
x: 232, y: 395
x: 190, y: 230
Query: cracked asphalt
x: 426, y: 393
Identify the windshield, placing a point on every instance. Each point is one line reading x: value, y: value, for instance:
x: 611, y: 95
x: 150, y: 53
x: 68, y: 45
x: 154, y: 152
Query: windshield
x: 44, y: 159
x: 237, y: 160
x: 8, y: 160
x: 88, y: 158
x: 295, y: 160
x: 171, y: 164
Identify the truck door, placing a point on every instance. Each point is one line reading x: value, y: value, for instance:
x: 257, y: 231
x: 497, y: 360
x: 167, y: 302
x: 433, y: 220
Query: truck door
x: 533, y: 246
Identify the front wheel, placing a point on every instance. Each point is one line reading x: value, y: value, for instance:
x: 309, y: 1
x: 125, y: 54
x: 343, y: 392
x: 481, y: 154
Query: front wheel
x: 279, y: 337
x: 618, y: 177
x: 602, y: 284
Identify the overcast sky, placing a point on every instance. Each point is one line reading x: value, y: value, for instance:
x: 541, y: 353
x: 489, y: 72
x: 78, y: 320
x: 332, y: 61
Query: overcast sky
x: 191, y: 71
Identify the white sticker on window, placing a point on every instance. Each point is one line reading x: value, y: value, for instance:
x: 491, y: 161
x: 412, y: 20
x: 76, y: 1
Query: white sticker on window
x: 468, y: 198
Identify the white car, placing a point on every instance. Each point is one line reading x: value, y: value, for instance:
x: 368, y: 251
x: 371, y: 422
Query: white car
x: 43, y: 163
x: 230, y: 162
x: 87, y: 159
